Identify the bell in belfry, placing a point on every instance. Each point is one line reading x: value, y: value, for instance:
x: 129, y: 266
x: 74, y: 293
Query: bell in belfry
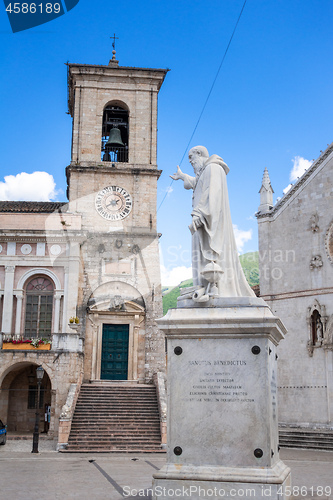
x: 114, y: 140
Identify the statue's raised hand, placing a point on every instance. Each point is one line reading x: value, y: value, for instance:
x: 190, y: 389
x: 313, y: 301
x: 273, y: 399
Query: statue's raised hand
x: 178, y: 175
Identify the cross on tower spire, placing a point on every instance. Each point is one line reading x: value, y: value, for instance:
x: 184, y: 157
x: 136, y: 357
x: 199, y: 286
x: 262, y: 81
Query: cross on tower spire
x: 114, y: 38
x: 113, y: 62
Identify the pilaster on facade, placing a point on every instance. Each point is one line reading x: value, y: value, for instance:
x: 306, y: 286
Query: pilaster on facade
x: 19, y: 301
x: 7, y: 315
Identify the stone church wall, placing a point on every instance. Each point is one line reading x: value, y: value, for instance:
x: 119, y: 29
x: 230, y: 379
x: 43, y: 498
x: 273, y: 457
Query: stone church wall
x: 295, y: 270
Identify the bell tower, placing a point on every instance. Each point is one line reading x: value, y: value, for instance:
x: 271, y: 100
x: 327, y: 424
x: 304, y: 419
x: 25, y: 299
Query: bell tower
x: 112, y: 184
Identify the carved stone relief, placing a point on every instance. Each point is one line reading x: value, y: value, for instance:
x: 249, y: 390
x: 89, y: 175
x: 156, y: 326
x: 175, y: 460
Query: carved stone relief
x: 314, y: 219
x: 316, y: 262
x: 329, y: 243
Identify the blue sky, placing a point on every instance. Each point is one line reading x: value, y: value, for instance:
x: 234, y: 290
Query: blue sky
x: 272, y: 101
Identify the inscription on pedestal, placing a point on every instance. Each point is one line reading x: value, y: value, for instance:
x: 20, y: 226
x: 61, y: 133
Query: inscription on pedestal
x: 222, y: 387
x: 213, y: 385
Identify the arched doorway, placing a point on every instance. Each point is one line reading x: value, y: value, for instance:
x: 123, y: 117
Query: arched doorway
x: 116, y: 333
x: 18, y: 399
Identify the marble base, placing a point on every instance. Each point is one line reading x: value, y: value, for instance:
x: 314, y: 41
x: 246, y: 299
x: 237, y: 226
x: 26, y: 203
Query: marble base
x: 222, y: 407
x: 217, y: 490
x: 218, y: 482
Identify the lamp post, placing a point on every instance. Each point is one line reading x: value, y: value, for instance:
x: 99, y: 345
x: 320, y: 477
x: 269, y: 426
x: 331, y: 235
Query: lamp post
x: 40, y: 375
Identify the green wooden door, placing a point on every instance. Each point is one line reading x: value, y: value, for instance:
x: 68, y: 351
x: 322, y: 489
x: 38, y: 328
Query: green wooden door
x: 114, y: 352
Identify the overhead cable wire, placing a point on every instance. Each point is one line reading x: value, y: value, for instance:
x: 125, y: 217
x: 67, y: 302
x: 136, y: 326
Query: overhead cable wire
x: 207, y: 98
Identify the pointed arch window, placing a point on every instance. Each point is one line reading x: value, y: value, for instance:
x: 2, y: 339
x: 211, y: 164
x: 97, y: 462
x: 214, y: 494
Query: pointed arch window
x: 317, y: 326
x: 115, y: 134
x: 39, y: 307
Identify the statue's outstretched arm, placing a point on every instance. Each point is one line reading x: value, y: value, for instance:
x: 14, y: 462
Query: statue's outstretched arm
x: 189, y: 181
x: 178, y: 175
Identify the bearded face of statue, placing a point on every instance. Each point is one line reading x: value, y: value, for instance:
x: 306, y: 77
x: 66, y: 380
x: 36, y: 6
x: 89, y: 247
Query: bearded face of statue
x: 196, y: 159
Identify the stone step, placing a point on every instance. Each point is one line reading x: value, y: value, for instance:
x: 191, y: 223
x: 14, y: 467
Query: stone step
x: 120, y: 411
x: 119, y: 404
x: 118, y: 417
x: 112, y: 428
x: 117, y: 414
x: 110, y: 444
x: 113, y: 450
x: 118, y: 383
x: 302, y: 438
x: 141, y: 440
x: 114, y: 433
x: 112, y: 390
x: 115, y: 418
x: 115, y: 444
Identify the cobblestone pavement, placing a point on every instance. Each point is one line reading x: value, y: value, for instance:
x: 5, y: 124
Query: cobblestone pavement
x: 108, y: 476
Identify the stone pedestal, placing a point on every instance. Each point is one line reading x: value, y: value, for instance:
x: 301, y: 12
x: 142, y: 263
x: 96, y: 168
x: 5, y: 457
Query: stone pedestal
x: 222, y: 408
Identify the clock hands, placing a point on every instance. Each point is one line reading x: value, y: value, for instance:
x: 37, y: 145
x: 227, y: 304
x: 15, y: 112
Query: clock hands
x: 112, y: 203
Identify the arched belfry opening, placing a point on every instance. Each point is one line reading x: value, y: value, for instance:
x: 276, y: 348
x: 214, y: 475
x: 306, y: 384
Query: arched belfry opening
x: 115, y: 133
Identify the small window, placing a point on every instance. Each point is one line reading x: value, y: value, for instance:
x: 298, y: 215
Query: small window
x: 316, y: 328
x: 32, y: 397
x: 39, y: 308
x: 115, y: 134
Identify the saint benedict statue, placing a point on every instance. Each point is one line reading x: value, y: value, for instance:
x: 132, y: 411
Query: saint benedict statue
x: 215, y: 262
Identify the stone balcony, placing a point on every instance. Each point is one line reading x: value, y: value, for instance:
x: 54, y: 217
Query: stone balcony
x: 69, y: 342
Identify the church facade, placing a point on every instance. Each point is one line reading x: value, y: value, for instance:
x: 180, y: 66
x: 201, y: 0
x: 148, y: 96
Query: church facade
x: 82, y: 278
x: 296, y: 280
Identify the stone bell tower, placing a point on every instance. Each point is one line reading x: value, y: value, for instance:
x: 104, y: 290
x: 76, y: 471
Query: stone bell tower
x: 112, y: 184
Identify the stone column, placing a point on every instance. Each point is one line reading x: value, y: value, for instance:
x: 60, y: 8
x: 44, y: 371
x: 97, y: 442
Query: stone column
x: 57, y: 298
x: 222, y: 408
x: 72, y: 282
x: 8, y: 300
x: 135, y: 346
x: 65, y: 319
x: 18, y: 319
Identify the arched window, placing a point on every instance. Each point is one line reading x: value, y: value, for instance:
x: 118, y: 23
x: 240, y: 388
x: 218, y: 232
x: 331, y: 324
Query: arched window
x: 316, y: 328
x: 39, y: 307
x: 115, y: 134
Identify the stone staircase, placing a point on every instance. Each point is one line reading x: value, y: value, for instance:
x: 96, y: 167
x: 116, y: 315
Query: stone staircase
x: 111, y: 417
x: 305, y: 438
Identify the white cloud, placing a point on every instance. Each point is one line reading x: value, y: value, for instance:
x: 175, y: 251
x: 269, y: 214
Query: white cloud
x: 173, y: 277
x: 300, y: 166
x: 169, y: 190
x: 38, y: 186
x: 241, y: 237
x: 286, y: 189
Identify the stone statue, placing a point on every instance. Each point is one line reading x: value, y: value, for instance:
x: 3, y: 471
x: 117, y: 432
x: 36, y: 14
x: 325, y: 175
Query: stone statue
x: 319, y: 331
x: 215, y: 262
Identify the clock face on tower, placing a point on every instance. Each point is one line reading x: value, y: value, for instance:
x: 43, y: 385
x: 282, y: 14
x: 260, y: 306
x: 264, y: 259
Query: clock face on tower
x: 113, y: 203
